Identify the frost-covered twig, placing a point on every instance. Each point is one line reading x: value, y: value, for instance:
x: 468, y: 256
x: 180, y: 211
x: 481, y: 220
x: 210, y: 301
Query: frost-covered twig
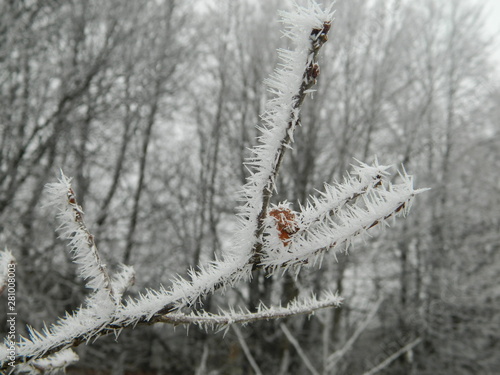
x: 363, y: 179
x: 68, y: 331
x: 124, y: 280
x: 50, y: 365
x: 99, y: 312
x: 81, y: 241
x: 338, y: 230
x: 85, y: 324
x: 308, y: 29
x: 225, y: 318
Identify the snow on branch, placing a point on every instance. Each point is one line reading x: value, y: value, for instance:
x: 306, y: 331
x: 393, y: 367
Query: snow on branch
x: 345, y: 211
x: 226, y: 318
x: 105, y: 312
x: 124, y: 280
x: 50, y: 365
x: 68, y: 331
x: 362, y: 180
x: 81, y: 241
x: 308, y: 29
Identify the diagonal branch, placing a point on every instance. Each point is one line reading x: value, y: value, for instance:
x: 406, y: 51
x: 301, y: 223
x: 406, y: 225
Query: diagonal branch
x: 52, y: 364
x: 318, y: 37
x: 81, y: 241
x: 290, y: 85
x: 376, y: 208
x: 336, y: 356
x: 247, y: 351
x: 393, y: 357
x: 298, y: 348
x: 362, y: 180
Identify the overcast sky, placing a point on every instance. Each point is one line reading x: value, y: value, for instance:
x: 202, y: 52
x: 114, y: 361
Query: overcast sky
x: 494, y: 25
x: 494, y: 6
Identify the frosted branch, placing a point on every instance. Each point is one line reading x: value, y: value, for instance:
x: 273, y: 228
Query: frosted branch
x: 69, y: 331
x: 50, y: 365
x: 81, y: 241
x: 308, y: 29
x: 225, y: 318
x: 268, y: 237
x: 124, y: 280
x: 373, y: 207
x: 362, y: 180
x: 85, y: 324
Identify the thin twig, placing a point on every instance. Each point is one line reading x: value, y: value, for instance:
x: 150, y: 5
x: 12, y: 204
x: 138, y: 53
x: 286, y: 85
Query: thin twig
x: 393, y: 357
x: 93, y: 249
x: 335, y: 357
x: 246, y: 350
x: 202, y: 368
x: 222, y: 319
x: 318, y: 37
x: 298, y: 348
x: 88, y: 238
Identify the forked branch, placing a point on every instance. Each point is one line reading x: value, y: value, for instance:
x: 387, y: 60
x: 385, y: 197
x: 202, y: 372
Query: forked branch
x: 266, y: 239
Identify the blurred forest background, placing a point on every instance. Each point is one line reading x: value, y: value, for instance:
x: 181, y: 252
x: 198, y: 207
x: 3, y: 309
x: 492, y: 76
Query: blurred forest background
x: 151, y: 105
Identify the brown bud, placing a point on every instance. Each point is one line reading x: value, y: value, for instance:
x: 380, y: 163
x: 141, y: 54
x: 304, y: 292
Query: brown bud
x: 320, y: 34
x: 315, y: 71
x: 286, y: 223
